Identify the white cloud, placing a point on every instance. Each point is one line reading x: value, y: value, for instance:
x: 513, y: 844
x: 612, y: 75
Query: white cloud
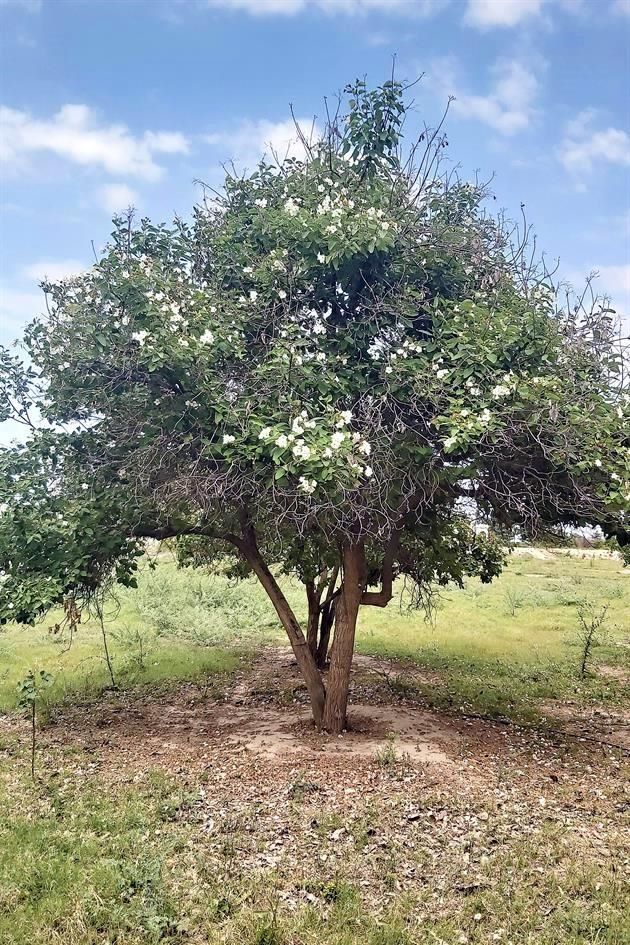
x: 75, y: 134
x: 615, y: 282
x: 508, y: 106
x: 585, y: 146
x: 416, y: 8
x: 482, y: 14
x: 53, y: 269
x: 616, y: 278
x: 17, y: 307
x: 488, y: 13
x: 117, y: 197
x: 247, y: 143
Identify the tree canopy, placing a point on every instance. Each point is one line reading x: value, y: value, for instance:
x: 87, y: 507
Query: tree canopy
x: 325, y: 369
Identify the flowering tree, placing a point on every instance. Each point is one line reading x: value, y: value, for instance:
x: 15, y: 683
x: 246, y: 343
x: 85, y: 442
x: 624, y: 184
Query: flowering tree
x: 336, y: 359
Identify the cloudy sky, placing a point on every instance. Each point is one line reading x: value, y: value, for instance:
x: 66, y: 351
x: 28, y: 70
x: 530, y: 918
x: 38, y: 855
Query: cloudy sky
x: 107, y: 103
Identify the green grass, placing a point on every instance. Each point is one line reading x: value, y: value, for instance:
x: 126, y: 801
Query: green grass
x: 86, y: 861
x: 178, y: 625
x: 498, y: 648
x: 80, y: 866
x: 502, y: 647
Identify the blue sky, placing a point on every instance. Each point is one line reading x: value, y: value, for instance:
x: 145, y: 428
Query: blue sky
x: 104, y: 103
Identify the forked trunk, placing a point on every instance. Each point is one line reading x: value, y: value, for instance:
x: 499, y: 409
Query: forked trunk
x: 346, y: 612
x: 303, y: 655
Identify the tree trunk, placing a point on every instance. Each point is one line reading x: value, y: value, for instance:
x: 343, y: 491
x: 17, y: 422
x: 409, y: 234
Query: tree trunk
x: 303, y: 655
x: 327, y: 619
x: 312, y: 624
x: 346, y: 612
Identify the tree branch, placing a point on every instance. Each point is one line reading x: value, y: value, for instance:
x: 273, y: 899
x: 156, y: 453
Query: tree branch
x: 382, y: 598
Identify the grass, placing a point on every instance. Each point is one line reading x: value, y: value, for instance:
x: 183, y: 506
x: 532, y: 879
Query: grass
x: 178, y: 625
x: 501, y: 648
x: 86, y: 860
x: 79, y: 865
x: 498, y: 649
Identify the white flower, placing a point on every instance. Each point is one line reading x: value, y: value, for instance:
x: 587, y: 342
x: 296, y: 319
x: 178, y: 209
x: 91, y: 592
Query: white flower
x: 328, y: 452
x: 475, y: 391
x: 598, y: 462
x: 365, y: 448
x: 207, y: 338
x: 282, y: 294
x: 228, y: 438
x: 253, y: 295
x: 500, y: 391
x: 337, y: 439
x: 321, y: 258
x: 301, y: 450
x: 139, y: 336
x: 296, y: 426
x: 346, y: 416
x: 485, y: 415
x: 282, y: 441
x: 84, y: 486
x: 441, y: 373
x: 261, y: 202
x: 291, y: 207
x: 184, y: 342
x: 388, y: 370
x: 247, y: 269
x: 307, y: 485
x: 368, y: 471
x: 265, y: 433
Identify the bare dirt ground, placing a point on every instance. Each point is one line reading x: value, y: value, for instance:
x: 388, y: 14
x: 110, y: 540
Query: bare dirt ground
x: 408, y: 796
x: 264, y: 713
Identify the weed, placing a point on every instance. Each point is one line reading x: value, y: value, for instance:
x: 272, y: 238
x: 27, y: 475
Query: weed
x: 514, y: 600
x: 591, y: 631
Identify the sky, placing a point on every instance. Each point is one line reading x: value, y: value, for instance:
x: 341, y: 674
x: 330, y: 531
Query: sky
x: 111, y: 103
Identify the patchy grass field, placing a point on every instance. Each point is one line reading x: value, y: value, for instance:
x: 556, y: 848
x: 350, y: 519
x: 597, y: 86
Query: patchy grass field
x: 497, y: 648
x: 194, y: 804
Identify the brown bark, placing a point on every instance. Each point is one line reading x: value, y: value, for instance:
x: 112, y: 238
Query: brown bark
x: 347, y: 609
x: 303, y: 655
x: 382, y: 598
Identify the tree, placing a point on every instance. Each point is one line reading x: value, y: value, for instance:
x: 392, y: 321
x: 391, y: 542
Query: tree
x: 325, y: 370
